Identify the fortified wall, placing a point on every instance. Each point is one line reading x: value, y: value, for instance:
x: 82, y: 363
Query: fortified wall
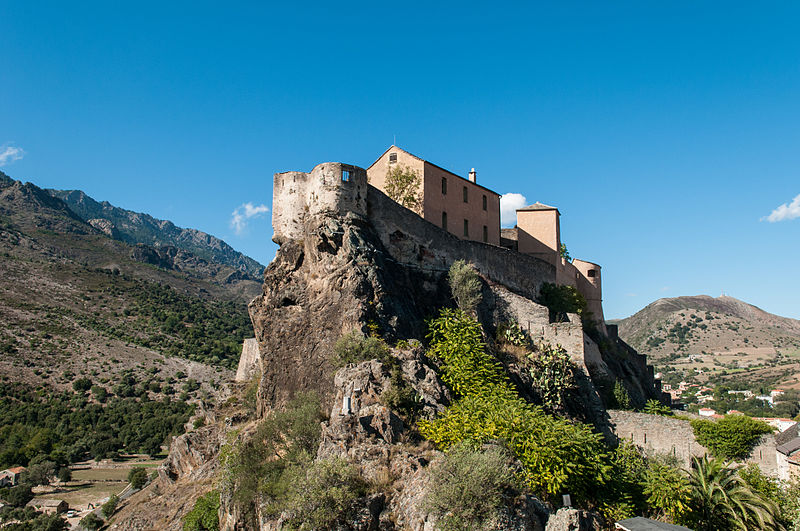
x: 667, y: 435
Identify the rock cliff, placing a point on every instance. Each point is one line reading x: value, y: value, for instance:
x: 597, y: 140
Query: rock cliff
x: 363, y: 263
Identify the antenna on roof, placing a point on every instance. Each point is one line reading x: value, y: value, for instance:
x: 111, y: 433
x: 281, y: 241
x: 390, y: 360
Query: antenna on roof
x: 394, y: 140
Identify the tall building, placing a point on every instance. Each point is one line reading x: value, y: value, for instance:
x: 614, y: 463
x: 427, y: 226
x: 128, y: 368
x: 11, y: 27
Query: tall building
x: 461, y: 206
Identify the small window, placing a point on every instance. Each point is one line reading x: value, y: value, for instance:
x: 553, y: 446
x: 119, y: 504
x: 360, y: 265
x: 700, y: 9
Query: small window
x: 592, y: 272
x: 466, y: 228
x: 485, y: 231
x: 444, y: 185
x: 466, y: 197
x: 345, y: 175
x: 484, y: 202
x: 392, y: 158
x: 444, y: 220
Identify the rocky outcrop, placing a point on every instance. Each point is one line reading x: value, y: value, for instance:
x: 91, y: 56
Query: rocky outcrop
x: 190, y: 455
x: 569, y: 519
x: 336, y: 279
x: 249, y: 361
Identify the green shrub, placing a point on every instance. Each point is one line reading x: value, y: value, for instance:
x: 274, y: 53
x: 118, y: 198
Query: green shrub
x: 731, y: 437
x: 321, y: 493
x: 354, y: 347
x: 92, y: 522
x: 551, y: 371
x: 110, y: 506
x: 561, y: 300
x: 513, y: 334
x: 622, y: 399
x: 654, y: 407
x: 204, y: 516
x: 556, y: 455
x: 468, y: 486
x: 251, y: 469
x: 667, y: 490
x: 465, y: 286
x: 400, y: 396
x: 137, y: 477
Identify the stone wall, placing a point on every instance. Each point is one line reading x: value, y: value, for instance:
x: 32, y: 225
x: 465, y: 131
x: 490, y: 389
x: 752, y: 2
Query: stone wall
x: 414, y: 242
x: 667, y: 435
x: 249, y: 361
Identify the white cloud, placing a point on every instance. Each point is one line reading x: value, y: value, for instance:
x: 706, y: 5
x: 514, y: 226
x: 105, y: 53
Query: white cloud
x: 245, y: 212
x: 785, y: 211
x: 9, y: 154
x: 509, y: 203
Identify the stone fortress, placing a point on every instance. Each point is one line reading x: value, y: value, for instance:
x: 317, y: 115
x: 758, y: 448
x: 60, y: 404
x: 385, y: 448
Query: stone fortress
x: 460, y: 219
x: 460, y: 206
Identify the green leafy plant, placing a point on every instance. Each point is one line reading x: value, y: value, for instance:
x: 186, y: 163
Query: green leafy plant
x: 354, y: 347
x: 513, y: 334
x: 720, y: 499
x: 556, y: 455
x: 654, y: 407
x: 731, y: 437
x: 110, y: 506
x: 137, y: 477
x: 321, y: 493
x: 564, y: 253
x: 204, y: 516
x: 552, y: 374
x: 465, y: 286
x: 561, y: 300
x: 468, y: 485
x: 667, y: 490
x: 622, y: 399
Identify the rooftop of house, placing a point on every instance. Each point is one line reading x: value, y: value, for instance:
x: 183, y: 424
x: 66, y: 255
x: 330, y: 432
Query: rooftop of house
x: 432, y: 164
x: 13, y: 470
x: 536, y: 206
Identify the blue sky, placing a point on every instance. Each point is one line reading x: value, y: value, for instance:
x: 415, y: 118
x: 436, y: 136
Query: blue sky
x: 664, y: 132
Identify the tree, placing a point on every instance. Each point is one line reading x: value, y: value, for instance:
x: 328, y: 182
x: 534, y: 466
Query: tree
x: 39, y: 473
x: 64, y: 474
x: 17, y: 496
x: 403, y: 186
x: 110, y: 506
x: 465, y: 286
x: 721, y: 500
x: 565, y: 253
x: 92, y: 522
x: 731, y: 437
x: 561, y: 300
x: 137, y: 477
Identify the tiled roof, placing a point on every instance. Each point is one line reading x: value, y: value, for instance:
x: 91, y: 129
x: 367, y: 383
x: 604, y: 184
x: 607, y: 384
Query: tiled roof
x: 536, y: 206
x: 787, y: 435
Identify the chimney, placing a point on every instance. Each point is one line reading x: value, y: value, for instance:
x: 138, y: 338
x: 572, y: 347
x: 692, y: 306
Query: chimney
x: 472, y: 175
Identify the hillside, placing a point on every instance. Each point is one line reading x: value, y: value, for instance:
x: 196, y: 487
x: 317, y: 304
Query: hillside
x: 138, y: 228
x: 723, y: 337
x: 77, y: 303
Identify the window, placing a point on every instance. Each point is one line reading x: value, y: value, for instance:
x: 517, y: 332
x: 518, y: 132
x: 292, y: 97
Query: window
x: 444, y: 220
x: 593, y: 272
x: 484, y: 202
x: 345, y: 175
x: 444, y: 185
x: 392, y: 158
x: 466, y: 228
x: 485, y: 231
x: 466, y: 198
